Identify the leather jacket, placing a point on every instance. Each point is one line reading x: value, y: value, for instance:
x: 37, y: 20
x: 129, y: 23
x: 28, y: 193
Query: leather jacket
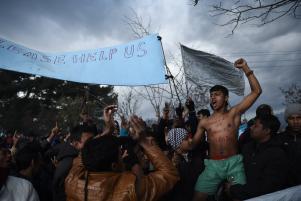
x: 121, y: 186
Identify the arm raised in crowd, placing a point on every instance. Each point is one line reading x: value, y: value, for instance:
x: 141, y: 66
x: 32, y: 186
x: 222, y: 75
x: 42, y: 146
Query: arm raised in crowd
x: 157, y: 183
x: 254, y: 84
x: 108, y: 117
x: 198, y: 136
x: 192, y: 118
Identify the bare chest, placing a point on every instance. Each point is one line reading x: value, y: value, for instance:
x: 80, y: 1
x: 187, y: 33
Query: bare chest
x: 220, y: 124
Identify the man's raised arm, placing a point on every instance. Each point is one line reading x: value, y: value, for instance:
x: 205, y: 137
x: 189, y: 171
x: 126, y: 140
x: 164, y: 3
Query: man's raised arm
x: 254, y: 84
x: 157, y: 183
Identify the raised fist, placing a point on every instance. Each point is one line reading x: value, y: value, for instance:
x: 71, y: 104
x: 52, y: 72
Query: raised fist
x: 240, y: 63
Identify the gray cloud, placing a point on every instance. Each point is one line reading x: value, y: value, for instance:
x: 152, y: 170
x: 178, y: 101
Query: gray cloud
x: 41, y: 22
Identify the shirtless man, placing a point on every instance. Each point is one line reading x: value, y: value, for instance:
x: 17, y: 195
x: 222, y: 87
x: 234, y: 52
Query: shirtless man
x: 222, y: 128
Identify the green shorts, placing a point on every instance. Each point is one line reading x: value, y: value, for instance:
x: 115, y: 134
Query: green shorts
x: 216, y: 171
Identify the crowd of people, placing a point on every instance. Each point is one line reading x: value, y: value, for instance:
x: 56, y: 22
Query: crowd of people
x: 190, y: 156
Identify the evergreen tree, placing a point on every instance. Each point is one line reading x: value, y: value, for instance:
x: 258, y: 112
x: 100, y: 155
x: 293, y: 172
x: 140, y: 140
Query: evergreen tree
x: 31, y: 103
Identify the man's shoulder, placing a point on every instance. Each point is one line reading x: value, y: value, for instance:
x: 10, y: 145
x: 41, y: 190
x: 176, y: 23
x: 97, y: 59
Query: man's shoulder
x: 19, y: 184
x: 18, y: 189
x: 18, y: 180
x: 284, y: 137
x: 101, y: 185
x: 113, y: 177
x: 274, y: 149
x: 233, y: 111
x: 204, y: 122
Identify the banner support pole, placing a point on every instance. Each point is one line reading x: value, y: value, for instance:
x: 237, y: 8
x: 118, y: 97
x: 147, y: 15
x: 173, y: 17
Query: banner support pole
x: 169, y: 75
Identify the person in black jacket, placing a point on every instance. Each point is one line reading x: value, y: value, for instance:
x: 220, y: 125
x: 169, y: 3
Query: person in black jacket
x: 165, y: 124
x: 65, y: 153
x: 291, y: 142
x: 245, y: 137
x: 265, y: 161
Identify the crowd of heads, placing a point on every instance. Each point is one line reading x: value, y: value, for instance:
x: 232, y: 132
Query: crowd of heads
x: 116, y: 152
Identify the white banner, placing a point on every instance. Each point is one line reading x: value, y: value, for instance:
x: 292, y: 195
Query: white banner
x: 289, y: 194
x: 204, y: 69
x: 140, y: 62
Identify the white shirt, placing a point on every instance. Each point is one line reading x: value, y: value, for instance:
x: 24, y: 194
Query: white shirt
x: 18, y: 189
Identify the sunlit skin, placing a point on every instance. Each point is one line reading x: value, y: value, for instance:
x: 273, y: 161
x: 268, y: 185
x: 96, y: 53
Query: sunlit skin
x: 222, y: 126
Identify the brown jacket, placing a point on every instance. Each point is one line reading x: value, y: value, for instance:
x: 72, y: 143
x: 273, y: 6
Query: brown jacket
x: 112, y: 186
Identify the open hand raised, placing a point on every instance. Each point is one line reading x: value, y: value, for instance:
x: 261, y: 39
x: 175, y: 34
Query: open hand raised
x: 138, y: 127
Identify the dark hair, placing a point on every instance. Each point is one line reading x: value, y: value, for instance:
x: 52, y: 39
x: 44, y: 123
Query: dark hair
x: 204, y: 112
x: 270, y: 122
x: 220, y: 88
x: 77, y: 131
x: 178, y: 122
x: 24, y: 156
x: 264, y: 109
x: 98, y: 154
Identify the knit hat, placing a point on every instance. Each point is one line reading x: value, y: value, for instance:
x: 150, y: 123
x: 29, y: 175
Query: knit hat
x: 292, y: 108
x: 176, y: 136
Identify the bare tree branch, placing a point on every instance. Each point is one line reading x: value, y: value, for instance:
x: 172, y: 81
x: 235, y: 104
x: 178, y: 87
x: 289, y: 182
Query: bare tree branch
x: 292, y: 94
x: 157, y: 94
x: 129, y: 105
x: 261, y: 11
x: 136, y: 25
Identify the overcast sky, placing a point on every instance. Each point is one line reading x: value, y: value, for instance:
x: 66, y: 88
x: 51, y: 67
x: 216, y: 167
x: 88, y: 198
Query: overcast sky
x: 273, y: 51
